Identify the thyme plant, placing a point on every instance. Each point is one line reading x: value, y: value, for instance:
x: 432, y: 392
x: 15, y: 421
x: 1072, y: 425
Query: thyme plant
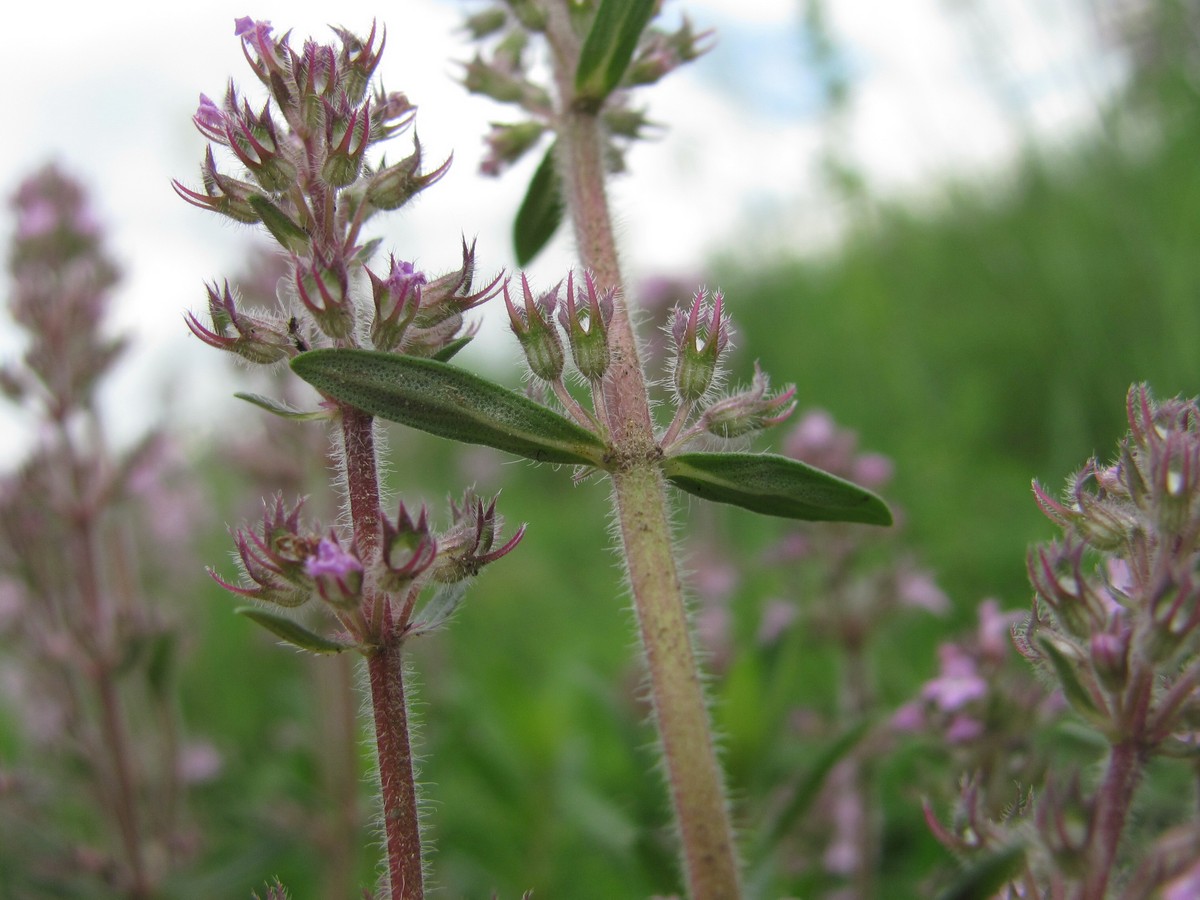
x: 307, y: 181
x: 378, y: 342
x: 597, y: 52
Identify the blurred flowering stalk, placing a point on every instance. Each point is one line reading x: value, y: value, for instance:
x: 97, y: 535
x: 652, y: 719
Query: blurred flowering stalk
x: 304, y: 174
x: 1116, y: 627
x: 89, y: 661
x: 579, y: 333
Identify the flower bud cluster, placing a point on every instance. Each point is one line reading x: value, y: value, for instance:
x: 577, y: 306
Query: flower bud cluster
x: 504, y: 71
x: 584, y: 317
x: 287, y: 564
x: 1119, y: 595
x: 306, y: 177
x: 419, y: 317
x: 697, y: 354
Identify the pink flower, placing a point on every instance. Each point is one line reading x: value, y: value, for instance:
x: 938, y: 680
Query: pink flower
x: 1185, y: 887
x: 995, y: 627
x: 963, y: 729
x: 909, y: 718
x: 873, y: 470
x: 918, y: 589
x: 959, y: 682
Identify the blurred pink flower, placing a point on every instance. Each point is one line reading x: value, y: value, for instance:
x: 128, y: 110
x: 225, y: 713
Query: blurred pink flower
x: 199, y: 762
x: 918, y: 589
x: 1185, y: 887
x: 963, y: 729
x: 995, y: 626
x: 959, y: 682
x: 777, y: 617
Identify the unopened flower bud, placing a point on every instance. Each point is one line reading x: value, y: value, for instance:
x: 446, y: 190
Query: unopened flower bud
x: 253, y: 138
x: 253, y: 338
x: 409, y: 549
x: 487, y: 22
x: 228, y: 196
x: 535, y: 329
x: 700, y: 337
x: 470, y: 543
x: 273, y: 559
x: 324, y: 290
x: 662, y: 53
x: 391, y: 113
x: 347, y: 134
x: 357, y: 62
x: 291, y: 235
x: 1110, y: 659
x: 452, y: 294
x: 1174, y: 616
x: 508, y: 143
x: 622, y: 120
x: 587, y: 326
x: 1056, y: 573
x: 751, y: 410
x: 392, y: 187
x: 1175, y: 474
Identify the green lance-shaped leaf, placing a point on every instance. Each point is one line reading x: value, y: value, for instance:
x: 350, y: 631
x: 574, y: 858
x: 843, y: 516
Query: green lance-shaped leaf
x: 291, y: 631
x: 775, y: 486
x: 281, y: 409
x: 452, y: 349
x: 447, y: 401
x: 541, y: 211
x: 609, y: 47
x: 985, y: 877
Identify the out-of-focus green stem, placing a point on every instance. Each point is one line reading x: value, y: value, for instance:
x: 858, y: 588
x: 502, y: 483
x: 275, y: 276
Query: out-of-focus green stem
x: 693, y: 774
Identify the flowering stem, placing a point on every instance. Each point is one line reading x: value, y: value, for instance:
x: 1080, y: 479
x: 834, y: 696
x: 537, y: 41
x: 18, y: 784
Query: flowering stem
x: 693, y: 774
x: 695, y: 783
x: 1125, y: 766
x: 99, y: 629
x: 385, y: 669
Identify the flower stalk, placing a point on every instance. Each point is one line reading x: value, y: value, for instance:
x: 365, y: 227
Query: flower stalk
x: 308, y: 181
x: 694, y: 776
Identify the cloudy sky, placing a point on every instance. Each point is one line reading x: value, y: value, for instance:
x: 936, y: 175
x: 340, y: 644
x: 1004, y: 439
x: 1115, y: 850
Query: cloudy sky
x: 940, y: 87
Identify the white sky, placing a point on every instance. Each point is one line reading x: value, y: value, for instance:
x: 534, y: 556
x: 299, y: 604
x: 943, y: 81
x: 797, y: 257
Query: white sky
x: 940, y: 86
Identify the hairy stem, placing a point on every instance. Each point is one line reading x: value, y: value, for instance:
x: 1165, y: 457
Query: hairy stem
x: 1125, y: 766
x: 693, y: 774
x: 385, y: 669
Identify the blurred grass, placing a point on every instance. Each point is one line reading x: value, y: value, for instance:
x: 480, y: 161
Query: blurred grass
x: 993, y: 341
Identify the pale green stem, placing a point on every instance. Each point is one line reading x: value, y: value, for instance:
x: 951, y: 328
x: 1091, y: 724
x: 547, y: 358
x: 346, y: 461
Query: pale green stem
x: 693, y: 774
